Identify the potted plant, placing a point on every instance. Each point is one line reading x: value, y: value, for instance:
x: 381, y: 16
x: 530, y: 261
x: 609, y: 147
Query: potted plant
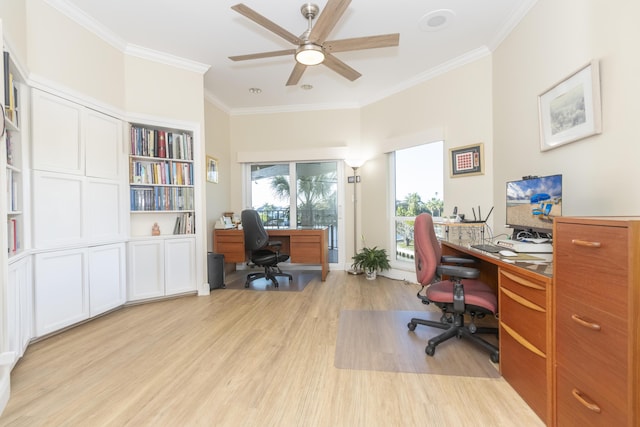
x: 371, y: 260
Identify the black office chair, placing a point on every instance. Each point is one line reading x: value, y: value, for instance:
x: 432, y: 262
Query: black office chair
x: 459, y: 295
x: 256, y: 241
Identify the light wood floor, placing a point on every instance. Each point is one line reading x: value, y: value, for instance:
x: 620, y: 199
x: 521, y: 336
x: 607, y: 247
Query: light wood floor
x: 243, y: 358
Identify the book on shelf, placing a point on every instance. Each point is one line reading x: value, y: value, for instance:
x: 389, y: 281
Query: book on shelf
x: 184, y: 224
x: 6, y: 58
x: 9, y: 148
x: 161, y: 144
x: 12, y: 236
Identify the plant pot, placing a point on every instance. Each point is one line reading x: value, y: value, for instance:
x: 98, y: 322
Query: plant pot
x: 371, y: 275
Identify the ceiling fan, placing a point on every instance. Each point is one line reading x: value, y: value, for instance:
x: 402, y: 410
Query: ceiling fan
x: 312, y: 46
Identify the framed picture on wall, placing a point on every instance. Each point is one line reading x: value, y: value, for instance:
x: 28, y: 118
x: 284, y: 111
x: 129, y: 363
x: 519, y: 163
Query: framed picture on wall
x: 212, y: 169
x: 570, y: 110
x: 467, y: 160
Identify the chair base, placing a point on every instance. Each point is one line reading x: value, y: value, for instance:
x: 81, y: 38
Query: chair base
x: 454, y: 327
x: 270, y: 273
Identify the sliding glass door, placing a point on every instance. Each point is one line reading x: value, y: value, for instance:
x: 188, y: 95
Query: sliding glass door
x: 297, y: 194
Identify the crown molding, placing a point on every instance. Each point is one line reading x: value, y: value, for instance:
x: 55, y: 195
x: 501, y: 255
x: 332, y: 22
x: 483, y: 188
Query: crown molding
x: 511, y: 23
x: 165, y: 58
x: 434, y: 72
x: 293, y: 108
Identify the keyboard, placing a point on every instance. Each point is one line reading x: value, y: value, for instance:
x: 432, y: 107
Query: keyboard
x: 488, y: 247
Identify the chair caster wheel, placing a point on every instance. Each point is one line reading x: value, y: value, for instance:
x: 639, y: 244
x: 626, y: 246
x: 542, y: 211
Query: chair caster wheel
x: 430, y: 350
x: 411, y: 326
x: 495, y: 358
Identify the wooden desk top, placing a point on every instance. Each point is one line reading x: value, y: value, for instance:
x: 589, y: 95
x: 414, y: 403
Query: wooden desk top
x: 528, y: 262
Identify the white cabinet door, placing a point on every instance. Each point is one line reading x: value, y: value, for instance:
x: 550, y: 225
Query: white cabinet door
x: 104, y: 210
x: 57, y: 209
x: 19, y: 306
x: 180, y: 266
x: 56, y: 134
x: 61, y: 291
x: 107, y: 280
x: 103, y: 137
x: 145, y: 269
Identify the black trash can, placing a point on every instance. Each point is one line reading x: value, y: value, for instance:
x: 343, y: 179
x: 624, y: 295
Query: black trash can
x: 215, y: 270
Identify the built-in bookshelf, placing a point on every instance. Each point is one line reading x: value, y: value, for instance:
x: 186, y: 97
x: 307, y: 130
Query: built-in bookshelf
x: 13, y: 158
x: 161, y: 181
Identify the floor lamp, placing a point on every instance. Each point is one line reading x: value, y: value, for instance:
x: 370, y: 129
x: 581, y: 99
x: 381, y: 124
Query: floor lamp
x: 355, y: 179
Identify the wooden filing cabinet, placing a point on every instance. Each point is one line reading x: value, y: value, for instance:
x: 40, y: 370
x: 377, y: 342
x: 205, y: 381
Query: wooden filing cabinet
x: 231, y: 244
x: 525, y: 319
x: 596, y: 320
x: 307, y: 249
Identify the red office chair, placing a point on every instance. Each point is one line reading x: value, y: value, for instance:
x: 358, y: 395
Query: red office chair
x: 456, y: 296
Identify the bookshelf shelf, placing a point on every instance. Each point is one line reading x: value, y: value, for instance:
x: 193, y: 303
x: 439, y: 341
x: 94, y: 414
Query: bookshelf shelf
x: 13, y: 158
x: 161, y: 180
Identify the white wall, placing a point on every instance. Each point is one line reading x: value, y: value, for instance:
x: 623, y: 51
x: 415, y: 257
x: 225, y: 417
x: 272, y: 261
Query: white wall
x: 217, y: 123
x: 68, y: 55
x: 458, y: 106
x: 554, y: 40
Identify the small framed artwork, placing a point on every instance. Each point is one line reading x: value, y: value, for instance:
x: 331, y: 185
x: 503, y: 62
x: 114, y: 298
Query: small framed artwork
x: 467, y: 160
x: 570, y: 110
x: 212, y: 169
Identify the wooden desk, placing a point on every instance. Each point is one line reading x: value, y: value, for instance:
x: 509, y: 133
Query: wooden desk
x: 304, y: 245
x: 525, y: 313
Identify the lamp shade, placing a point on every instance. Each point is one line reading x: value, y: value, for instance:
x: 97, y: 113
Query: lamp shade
x: 309, y: 54
x: 354, y: 163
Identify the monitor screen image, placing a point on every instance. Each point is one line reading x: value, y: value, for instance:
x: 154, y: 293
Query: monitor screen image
x: 533, y: 203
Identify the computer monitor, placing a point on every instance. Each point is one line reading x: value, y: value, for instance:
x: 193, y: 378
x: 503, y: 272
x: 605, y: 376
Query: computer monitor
x: 532, y: 203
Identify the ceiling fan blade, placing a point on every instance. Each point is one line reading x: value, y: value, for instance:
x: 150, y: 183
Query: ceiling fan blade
x: 262, y: 55
x: 328, y: 19
x: 266, y: 23
x: 340, y: 67
x: 357, y: 43
x: 296, y: 74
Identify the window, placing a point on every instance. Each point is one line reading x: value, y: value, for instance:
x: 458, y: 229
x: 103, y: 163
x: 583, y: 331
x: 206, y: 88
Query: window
x: 418, y: 188
x: 302, y: 194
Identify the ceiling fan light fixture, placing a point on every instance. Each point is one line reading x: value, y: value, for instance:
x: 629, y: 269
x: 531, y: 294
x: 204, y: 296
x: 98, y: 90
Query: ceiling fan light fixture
x: 309, y: 54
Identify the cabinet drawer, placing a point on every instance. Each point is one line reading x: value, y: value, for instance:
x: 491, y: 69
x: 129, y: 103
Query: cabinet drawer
x: 601, y: 354
x: 229, y: 238
x: 591, y: 262
x: 306, y: 249
x: 532, y: 290
x: 525, y: 371
x: 527, y: 319
x: 573, y: 397
x: 230, y: 243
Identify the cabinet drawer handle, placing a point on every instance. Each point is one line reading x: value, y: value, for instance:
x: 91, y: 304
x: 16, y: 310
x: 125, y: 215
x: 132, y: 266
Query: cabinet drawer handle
x: 591, y: 406
x: 586, y: 243
x: 580, y: 321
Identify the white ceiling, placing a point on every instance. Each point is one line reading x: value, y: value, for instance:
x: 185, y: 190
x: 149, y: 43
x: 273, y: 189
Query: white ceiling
x: 208, y: 32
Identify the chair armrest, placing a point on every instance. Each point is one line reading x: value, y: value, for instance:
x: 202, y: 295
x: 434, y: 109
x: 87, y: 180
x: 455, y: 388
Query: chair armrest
x: 451, y: 259
x: 458, y: 271
x: 276, y: 243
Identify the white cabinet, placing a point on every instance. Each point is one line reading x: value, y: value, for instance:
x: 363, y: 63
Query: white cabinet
x: 145, y: 267
x: 61, y: 294
x: 107, y: 278
x: 160, y: 267
x: 57, y: 134
x: 179, y: 266
x: 79, y: 194
x: 76, y: 284
x: 19, y: 306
